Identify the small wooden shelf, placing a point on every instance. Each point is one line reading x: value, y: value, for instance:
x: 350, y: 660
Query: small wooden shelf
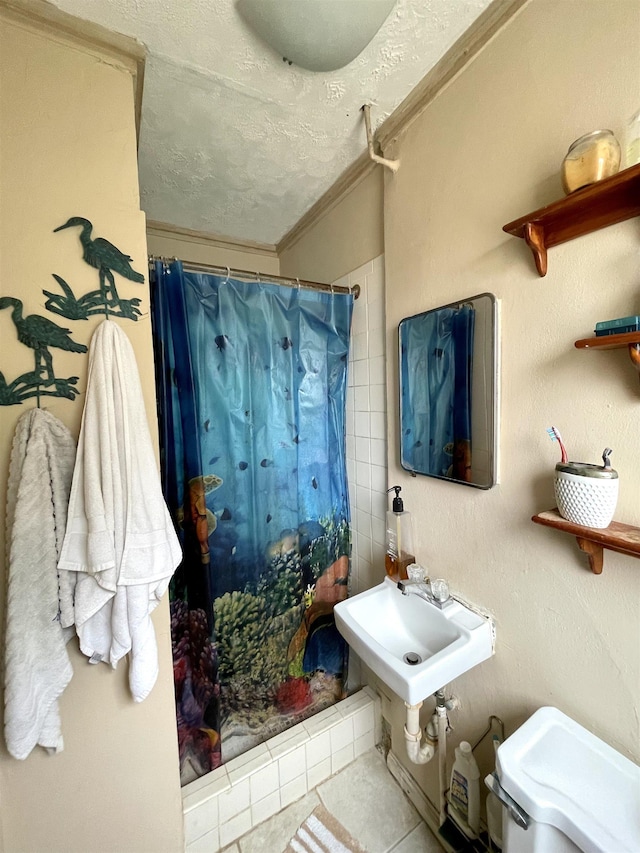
x: 623, y: 538
x: 628, y: 339
x: 609, y: 201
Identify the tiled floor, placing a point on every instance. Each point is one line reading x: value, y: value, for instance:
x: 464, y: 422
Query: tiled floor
x: 366, y: 800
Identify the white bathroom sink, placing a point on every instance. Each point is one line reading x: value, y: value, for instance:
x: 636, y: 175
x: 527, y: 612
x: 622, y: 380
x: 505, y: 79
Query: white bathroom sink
x: 382, y: 626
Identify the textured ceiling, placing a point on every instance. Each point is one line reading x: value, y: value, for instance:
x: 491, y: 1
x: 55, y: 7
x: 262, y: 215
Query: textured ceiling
x: 236, y: 142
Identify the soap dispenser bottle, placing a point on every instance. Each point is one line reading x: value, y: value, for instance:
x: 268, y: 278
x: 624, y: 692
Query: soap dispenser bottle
x: 399, y: 552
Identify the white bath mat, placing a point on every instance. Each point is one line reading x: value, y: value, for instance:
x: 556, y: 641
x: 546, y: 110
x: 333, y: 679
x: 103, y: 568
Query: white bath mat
x: 322, y: 833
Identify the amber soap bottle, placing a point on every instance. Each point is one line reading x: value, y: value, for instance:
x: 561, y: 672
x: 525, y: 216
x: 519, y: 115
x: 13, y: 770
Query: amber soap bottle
x: 399, y: 539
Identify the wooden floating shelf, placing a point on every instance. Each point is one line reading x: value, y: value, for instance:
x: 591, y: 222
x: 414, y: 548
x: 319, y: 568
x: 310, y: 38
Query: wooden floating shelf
x: 627, y: 339
x: 623, y: 538
x: 607, y: 202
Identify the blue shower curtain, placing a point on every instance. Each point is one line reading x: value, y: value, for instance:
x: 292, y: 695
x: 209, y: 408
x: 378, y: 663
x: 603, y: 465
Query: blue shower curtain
x: 436, y: 350
x: 251, y: 386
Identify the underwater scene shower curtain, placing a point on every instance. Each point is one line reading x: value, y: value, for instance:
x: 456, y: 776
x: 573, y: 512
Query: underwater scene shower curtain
x: 252, y: 381
x: 436, y: 352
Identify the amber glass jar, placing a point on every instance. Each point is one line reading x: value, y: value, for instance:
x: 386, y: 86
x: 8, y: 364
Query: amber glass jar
x: 589, y: 159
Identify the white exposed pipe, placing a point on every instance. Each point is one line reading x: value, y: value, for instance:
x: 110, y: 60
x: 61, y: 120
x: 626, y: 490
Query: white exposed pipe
x: 441, y: 712
x: 436, y: 736
x: 413, y: 719
x: 394, y: 165
x: 413, y: 735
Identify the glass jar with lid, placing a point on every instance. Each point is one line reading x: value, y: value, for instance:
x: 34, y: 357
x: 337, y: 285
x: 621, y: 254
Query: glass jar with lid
x: 590, y: 158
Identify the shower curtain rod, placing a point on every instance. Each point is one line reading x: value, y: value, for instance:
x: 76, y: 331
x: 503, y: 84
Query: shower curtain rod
x: 258, y: 276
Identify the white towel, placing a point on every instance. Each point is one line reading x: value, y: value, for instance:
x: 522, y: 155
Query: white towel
x: 37, y: 667
x: 120, y: 539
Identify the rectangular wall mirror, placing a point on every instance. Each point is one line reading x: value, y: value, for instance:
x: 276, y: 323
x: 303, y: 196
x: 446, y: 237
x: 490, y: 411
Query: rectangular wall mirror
x: 449, y: 392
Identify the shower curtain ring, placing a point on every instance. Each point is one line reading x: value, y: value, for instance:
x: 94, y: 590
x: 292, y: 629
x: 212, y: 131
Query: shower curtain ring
x: 228, y: 275
x: 297, y: 284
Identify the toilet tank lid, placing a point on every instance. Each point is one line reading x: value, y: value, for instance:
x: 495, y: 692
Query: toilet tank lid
x: 563, y: 775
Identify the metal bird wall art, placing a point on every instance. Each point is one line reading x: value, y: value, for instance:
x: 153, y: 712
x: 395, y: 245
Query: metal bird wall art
x: 38, y: 333
x: 107, y: 259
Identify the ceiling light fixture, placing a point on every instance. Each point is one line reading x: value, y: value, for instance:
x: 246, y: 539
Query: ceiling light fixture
x: 319, y: 35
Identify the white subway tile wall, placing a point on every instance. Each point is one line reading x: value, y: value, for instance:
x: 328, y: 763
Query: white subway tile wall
x: 367, y: 430
x: 224, y: 805
x: 319, y: 772
x: 265, y: 808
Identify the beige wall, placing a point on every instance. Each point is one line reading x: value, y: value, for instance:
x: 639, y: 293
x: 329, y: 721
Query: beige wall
x: 199, y: 249
x: 67, y: 136
x: 346, y: 237
x: 486, y: 151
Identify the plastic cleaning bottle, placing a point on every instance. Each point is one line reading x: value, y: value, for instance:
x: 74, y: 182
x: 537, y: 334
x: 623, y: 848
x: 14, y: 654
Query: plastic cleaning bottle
x: 464, y: 791
x: 399, y: 553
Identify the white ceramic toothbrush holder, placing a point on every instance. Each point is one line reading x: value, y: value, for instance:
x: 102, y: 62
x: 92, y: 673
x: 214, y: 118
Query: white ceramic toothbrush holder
x: 586, y: 494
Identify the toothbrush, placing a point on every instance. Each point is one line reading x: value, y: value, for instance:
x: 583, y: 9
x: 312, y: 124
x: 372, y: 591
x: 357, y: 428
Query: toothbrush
x: 554, y: 435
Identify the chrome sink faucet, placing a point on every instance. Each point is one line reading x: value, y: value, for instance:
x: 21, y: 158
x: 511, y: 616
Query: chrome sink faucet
x: 435, y: 592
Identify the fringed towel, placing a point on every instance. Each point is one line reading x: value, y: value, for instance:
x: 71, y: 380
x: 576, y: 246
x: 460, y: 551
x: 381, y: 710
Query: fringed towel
x: 37, y: 667
x: 120, y: 539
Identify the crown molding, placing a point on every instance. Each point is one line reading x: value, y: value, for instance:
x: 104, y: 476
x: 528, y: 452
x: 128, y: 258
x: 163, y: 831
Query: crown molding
x: 459, y: 55
x: 462, y: 52
x: 165, y: 229
x: 347, y: 181
x: 42, y: 16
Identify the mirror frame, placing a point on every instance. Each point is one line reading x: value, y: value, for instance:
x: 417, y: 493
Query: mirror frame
x: 493, y: 407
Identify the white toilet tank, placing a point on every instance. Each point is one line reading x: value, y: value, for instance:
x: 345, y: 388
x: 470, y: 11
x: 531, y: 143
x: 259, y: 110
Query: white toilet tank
x: 578, y: 793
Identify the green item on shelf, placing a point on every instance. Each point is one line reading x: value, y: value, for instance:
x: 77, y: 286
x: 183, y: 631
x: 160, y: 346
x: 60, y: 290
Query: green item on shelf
x: 633, y: 321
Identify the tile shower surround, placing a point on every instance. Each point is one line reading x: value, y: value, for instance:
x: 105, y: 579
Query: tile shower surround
x: 367, y: 426
x: 225, y: 804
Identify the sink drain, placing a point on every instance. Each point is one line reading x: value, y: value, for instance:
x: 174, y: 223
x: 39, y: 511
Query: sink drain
x: 412, y: 658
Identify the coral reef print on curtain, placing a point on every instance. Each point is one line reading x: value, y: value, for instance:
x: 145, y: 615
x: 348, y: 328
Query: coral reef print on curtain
x: 252, y: 384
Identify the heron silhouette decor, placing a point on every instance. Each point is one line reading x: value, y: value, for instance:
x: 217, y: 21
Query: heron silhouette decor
x: 107, y: 259
x: 38, y: 333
